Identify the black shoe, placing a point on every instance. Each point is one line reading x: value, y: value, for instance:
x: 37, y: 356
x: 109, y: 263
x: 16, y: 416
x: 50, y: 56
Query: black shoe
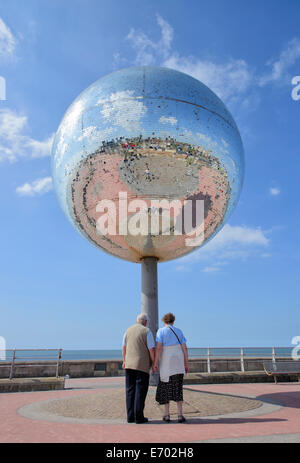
x: 181, y: 419
x: 166, y: 418
x: 144, y: 420
x: 131, y: 421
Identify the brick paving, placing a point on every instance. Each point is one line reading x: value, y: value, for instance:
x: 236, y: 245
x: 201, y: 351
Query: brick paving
x: 110, y: 404
x: 27, y: 418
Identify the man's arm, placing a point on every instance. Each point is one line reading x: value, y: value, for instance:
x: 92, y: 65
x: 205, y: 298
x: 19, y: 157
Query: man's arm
x: 124, y: 350
x: 151, y: 347
x: 152, y: 354
x: 124, y: 355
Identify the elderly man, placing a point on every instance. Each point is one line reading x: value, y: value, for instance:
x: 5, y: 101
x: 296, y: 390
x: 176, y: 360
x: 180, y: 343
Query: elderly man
x: 138, y: 350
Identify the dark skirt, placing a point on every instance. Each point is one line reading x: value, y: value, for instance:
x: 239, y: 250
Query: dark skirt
x: 170, y: 391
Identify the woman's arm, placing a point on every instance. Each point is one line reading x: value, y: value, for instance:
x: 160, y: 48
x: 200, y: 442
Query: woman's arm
x: 157, y: 355
x: 186, y: 358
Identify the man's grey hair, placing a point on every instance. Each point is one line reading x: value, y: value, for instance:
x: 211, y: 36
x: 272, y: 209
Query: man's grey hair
x: 142, y: 317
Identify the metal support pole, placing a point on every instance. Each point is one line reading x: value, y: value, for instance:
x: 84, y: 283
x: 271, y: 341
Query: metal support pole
x: 11, y: 374
x: 273, y: 355
x: 149, y: 292
x: 58, y: 362
x: 242, y: 360
x: 150, y: 299
x: 208, y: 360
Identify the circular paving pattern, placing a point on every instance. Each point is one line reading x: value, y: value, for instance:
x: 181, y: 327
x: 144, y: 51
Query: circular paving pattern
x: 110, y: 405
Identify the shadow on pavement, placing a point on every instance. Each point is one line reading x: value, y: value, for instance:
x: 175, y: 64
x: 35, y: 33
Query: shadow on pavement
x: 216, y: 420
x: 285, y: 399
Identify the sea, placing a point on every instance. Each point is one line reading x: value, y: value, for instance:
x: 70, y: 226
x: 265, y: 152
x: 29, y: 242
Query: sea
x: 116, y: 354
x: 222, y: 352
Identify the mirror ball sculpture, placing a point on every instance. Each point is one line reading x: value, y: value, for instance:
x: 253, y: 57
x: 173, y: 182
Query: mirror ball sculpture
x: 150, y: 133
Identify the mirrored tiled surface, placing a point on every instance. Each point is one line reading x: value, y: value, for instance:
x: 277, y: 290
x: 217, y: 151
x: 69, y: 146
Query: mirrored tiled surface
x: 151, y: 134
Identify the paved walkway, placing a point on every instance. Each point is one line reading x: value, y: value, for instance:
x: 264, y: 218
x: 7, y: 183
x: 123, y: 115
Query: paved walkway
x: 274, y: 415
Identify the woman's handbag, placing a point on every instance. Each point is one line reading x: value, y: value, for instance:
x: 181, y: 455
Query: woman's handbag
x: 154, y: 378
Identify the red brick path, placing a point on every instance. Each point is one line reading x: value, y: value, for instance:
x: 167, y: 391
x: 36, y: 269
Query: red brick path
x: 286, y: 420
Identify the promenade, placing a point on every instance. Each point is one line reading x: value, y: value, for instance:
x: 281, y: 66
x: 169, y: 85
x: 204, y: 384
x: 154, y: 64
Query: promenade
x: 93, y: 410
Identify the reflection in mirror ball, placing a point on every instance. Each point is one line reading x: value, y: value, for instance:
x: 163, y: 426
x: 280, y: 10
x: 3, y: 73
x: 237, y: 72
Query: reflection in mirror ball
x: 149, y: 133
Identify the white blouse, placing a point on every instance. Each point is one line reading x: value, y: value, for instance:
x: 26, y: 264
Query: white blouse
x: 171, y: 362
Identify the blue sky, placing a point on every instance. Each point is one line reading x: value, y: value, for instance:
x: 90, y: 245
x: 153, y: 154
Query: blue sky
x: 242, y: 288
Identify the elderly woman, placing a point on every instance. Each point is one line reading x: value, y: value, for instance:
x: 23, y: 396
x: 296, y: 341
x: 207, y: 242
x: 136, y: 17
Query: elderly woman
x: 171, y: 358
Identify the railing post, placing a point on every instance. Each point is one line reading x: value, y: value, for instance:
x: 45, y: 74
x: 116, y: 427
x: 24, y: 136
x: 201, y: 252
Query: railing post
x: 58, y: 361
x: 273, y: 355
x: 242, y: 360
x: 208, y: 360
x: 12, y: 365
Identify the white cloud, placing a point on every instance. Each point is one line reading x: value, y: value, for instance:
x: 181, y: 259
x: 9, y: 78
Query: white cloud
x: 205, y: 138
x: 167, y: 35
x: 182, y: 268
x: 239, y: 235
x: 225, y: 79
x: 11, y: 124
x: 7, y: 40
x: 38, y: 187
x: 148, y: 50
x: 87, y: 132
x: 230, y: 244
x: 15, y: 142
x: 122, y: 109
x: 168, y: 120
x: 143, y: 46
x: 234, y: 80
x: 39, y: 149
x: 94, y: 135
x: 274, y: 191
x: 210, y: 269
x: 279, y: 67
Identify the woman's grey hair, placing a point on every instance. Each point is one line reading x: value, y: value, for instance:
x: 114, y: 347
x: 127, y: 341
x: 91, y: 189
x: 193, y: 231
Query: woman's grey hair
x: 142, y: 317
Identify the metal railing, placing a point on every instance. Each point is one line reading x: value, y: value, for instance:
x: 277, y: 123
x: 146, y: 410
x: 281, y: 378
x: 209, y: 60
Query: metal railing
x: 22, y: 358
x: 53, y: 357
x: 240, y: 354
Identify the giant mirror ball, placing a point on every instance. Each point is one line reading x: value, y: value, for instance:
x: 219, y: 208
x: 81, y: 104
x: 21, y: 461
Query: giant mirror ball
x: 151, y: 133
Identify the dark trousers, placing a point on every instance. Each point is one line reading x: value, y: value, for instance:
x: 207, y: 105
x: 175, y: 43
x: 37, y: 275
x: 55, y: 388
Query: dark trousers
x: 137, y: 384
